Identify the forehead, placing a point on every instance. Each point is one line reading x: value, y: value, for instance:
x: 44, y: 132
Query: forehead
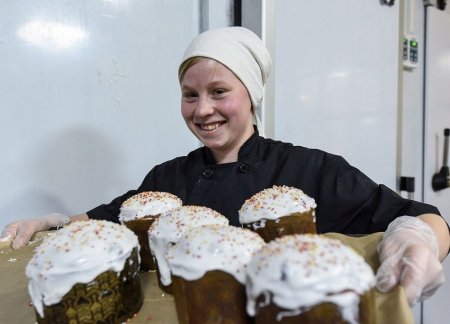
x: 206, y: 69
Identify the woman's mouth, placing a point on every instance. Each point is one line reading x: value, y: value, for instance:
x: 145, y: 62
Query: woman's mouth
x: 210, y: 126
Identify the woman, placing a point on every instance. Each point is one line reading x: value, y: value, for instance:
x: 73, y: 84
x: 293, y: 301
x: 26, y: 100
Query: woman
x: 222, y: 76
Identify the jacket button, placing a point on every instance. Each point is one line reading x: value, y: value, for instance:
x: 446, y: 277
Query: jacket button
x: 207, y: 173
x: 244, y: 167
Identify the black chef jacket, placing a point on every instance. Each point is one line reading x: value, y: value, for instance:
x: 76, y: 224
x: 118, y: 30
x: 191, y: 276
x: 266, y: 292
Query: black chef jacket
x: 347, y: 201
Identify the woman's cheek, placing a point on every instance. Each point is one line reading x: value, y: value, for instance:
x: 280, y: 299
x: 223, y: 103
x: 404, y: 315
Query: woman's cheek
x: 185, y: 111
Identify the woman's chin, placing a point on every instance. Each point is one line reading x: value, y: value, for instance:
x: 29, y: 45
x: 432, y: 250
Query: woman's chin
x: 208, y: 138
x: 213, y: 144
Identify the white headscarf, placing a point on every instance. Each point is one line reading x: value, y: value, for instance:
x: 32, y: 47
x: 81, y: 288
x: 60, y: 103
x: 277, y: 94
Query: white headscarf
x: 241, y: 51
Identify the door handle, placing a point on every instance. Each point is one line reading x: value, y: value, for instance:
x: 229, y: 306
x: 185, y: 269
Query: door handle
x: 441, y: 180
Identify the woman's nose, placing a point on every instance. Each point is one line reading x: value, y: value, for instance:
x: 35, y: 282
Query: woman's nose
x: 204, y: 107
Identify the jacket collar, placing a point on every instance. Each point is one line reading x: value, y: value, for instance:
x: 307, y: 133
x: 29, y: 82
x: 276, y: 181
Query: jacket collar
x: 246, y: 152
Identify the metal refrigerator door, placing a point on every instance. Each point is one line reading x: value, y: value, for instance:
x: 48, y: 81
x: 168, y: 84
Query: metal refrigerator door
x: 437, y: 117
x: 336, y: 80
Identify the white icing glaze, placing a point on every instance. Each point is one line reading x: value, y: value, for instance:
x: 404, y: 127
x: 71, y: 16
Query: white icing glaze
x: 168, y: 228
x: 147, y: 203
x: 273, y: 203
x: 213, y: 247
x: 77, y: 253
x: 301, y: 271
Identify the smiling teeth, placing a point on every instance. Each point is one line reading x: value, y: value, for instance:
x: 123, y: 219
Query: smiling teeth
x: 210, y: 127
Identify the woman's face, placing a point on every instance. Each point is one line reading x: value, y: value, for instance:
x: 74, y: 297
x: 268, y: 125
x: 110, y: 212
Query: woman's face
x: 217, y: 108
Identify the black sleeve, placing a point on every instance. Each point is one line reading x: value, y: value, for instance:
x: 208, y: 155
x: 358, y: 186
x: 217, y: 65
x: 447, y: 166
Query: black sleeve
x: 110, y: 212
x: 351, y: 203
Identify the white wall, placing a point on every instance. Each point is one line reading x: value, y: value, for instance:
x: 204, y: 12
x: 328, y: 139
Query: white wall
x: 82, y: 123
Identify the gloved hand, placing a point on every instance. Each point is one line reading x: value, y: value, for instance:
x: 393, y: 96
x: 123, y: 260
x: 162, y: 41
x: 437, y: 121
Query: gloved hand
x: 21, y: 231
x: 409, y: 255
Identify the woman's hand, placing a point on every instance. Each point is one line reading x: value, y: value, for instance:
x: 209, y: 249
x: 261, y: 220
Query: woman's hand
x: 409, y: 255
x: 20, y: 232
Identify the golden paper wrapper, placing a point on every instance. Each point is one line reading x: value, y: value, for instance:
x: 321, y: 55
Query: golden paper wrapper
x: 109, y: 298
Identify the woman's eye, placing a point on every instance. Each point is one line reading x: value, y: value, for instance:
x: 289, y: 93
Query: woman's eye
x: 189, y: 95
x: 218, y: 92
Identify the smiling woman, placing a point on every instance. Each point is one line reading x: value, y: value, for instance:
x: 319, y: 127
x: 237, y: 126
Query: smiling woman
x: 222, y: 77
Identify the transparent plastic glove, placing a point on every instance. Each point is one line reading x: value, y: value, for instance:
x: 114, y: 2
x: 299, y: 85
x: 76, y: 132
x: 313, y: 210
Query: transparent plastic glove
x: 409, y: 255
x: 20, y: 232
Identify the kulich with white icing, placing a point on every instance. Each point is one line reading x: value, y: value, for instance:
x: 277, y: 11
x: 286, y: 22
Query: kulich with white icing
x: 303, y: 271
x: 147, y: 203
x: 77, y: 253
x: 273, y: 203
x: 171, y: 225
x: 213, y: 247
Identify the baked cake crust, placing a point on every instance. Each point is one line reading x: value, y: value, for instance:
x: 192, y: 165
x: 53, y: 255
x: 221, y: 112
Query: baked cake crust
x: 215, y: 298
x: 295, y: 223
x: 325, y: 313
